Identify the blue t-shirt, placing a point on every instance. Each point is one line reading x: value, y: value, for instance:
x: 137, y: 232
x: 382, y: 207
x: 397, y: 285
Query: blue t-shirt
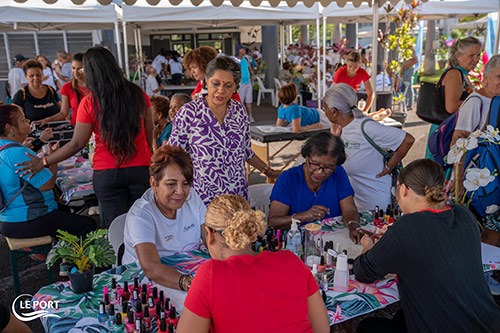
x: 308, y: 116
x: 245, y: 72
x: 165, y: 134
x: 31, y: 203
x: 291, y: 189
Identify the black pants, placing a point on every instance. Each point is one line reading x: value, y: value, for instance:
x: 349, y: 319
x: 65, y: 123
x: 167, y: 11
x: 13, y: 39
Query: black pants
x: 383, y: 325
x: 176, y: 79
x: 118, y: 189
x: 48, y: 225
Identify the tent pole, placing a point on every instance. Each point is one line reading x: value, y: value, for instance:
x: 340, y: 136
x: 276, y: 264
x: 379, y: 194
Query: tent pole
x: 375, y: 7
x: 323, y: 81
x: 141, y: 69
x: 118, y: 45
x: 125, y: 49
x: 65, y: 40
x: 37, y: 47
x: 497, y: 35
x: 282, y: 44
x: 318, y: 55
x: 7, y: 49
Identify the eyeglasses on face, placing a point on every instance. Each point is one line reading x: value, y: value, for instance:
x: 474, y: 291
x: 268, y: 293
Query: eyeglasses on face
x: 314, y: 166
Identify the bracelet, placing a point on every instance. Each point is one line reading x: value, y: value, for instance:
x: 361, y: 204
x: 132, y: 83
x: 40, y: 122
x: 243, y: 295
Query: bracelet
x: 352, y: 222
x: 387, y: 167
x: 45, y: 161
x: 185, y: 282
x: 267, y: 171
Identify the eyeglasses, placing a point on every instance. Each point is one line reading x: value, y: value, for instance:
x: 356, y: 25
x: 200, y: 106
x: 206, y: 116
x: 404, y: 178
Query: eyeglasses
x: 313, y: 166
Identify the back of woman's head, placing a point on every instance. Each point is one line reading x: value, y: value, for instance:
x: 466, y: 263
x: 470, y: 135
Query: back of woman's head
x: 344, y: 99
x: 238, y: 223
x: 287, y: 94
x: 459, y: 47
x: 119, y: 104
x: 224, y: 63
x: 168, y: 155
x: 322, y: 144
x: 32, y: 64
x: 493, y: 63
x: 426, y: 178
x: 160, y: 104
x: 7, y: 113
x: 353, y: 56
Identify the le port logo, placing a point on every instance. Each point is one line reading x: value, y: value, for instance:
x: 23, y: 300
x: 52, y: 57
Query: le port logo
x: 27, y: 309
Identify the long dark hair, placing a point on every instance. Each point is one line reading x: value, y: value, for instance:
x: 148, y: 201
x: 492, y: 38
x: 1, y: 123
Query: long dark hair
x: 74, y: 82
x: 118, y: 104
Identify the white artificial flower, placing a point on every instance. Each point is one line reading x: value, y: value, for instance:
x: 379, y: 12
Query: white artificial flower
x: 476, y: 178
x: 492, y: 209
x: 476, y: 134
x: 454, y: 155
x: 491, y: 134
x: 471, y: 143
x: 461, y: 143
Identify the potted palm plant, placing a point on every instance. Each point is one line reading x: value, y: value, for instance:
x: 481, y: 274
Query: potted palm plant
x: 83, y: 255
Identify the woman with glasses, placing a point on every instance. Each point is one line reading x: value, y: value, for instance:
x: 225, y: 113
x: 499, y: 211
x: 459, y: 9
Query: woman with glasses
x: 369, y: 175
x: 214, y: 130
x: 435, y: 250
x: 317, y: 189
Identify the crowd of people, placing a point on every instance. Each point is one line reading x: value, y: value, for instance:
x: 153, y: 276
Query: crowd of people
x: 176, y: 167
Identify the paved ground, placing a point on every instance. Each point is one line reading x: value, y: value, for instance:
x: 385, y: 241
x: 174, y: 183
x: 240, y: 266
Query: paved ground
x: 32, y: 279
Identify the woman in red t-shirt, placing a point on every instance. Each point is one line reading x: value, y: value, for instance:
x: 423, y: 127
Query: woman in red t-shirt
x: 354, y: 75
x: 73, y: 92
x: 119, y: 114
x: 196, y: 62
x: 246, y: 292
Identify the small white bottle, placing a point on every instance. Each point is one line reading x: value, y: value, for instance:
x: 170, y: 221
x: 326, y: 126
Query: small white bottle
x: 341, y: 276
x: 294, y: 239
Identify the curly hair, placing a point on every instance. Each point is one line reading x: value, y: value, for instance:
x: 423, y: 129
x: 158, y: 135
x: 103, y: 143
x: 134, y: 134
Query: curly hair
x: 426, y: 178
x: 287, y: 94
x: 160, y: 104
x: 7, y: 113
x: 201, y: 56
x: 459, y: 48
x: 169, y: 155
x: 238, y: 223
x: 31, y: 64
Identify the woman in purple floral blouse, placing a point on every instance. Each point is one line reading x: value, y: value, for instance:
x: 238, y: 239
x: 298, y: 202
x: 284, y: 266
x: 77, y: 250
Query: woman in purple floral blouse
x: 214, y: 129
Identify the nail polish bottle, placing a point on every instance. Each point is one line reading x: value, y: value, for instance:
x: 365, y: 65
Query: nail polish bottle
x: 167, y: 307
x: 151, y: 307
x: 170, y: 328
x: 321, y: 266
x: 124, y: 309
x: 278, y: 238
x: 118, y: 327
x: 136, y: 283
x: 105, y: 298
x: 138, y: 326
x: 139, y: 314
x: 391, y: 216
x: 114, y: 293
x: 146, y: 320
x: 159, y: 310
x: 172, y: 318
x: 102, y: 316
x: 130, y: 325
x: 135, y: 298
x: 162, y: 326
x: 155, y: 294
x: 126, y: 292
x: 111, y: 316
x: 144, y: 288
x: 144, y: 300
x: 162, y: 297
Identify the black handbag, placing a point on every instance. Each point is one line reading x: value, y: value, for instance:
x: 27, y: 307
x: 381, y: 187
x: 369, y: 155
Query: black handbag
x: 430, y: 101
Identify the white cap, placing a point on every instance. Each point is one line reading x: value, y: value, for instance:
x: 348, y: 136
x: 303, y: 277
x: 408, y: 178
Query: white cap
x: 342, y: 262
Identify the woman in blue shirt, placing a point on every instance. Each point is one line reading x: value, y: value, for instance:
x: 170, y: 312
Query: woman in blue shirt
x: 301, y: 117
x: 317, y: 189
x: 32, y: 210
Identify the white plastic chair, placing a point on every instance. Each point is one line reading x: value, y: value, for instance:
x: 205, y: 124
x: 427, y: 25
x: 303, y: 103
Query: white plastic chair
x: 263, y: 90
x: 115, y: 236
x: 258, y: 197
x: 277, y: 87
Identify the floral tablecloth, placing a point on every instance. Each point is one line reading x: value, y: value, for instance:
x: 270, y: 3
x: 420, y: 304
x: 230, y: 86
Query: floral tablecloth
x: 74, y: 179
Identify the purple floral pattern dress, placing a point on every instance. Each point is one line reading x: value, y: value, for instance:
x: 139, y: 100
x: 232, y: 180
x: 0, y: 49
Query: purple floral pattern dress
x: 219, y: 151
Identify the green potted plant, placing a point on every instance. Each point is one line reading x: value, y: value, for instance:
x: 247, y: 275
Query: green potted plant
x: 83, y: 256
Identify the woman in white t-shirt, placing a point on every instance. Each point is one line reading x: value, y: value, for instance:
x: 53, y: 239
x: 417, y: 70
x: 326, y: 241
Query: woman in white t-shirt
x: 167, y: 219
x: 175, y: 64
x: 50, y: 77
x: 369, y: 176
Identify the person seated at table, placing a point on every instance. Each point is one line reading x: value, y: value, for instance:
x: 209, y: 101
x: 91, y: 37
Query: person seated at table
x: 435, y: 250
x: 196, y: 61
x: 277, y: 284
x: 31, y: 210
x: 167, y: 219
x: 37, y: 100
x: 317, y: 189
x: 152, y: 86
x: 369, y: 175
x: 163, y: 125
x: 284, y: 75
x: 289, y: 112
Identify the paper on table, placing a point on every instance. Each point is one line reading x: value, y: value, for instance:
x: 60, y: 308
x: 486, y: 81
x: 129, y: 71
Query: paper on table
x: 491, y: 257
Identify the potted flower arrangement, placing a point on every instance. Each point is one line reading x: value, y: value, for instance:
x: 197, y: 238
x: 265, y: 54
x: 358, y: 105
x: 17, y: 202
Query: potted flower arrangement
x: 83, y: 256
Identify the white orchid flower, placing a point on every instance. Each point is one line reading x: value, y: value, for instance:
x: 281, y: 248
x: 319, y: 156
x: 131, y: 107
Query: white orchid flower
x: 476, y: 134
x: 454, y: 155
x: 471, y: 143
x: 476, y: 178
x: 491, y: 134
x: 491, y: 209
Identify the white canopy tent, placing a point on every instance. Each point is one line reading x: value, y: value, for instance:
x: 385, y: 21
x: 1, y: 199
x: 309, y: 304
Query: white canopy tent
x: 37, y: 15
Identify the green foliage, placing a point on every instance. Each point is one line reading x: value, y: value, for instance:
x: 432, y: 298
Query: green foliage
x: 95, y: 250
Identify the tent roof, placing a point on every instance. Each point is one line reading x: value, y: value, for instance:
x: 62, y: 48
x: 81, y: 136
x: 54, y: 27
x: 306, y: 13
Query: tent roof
x: 236, y: 3
x: 63, y: 15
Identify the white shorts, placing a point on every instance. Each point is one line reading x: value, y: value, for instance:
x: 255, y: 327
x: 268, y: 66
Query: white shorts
x: 246, y: 93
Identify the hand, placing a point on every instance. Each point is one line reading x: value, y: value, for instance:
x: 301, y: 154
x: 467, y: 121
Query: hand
x: 53, y: 147
x: 366, y: 243
x: 46, y: 134
x: 384, y: 172
x: 32, y: 166
x: 28, y: 142
x: 336, y: 129
x: 274, y: 173
x: 355, y: 234
x: 315, y: 213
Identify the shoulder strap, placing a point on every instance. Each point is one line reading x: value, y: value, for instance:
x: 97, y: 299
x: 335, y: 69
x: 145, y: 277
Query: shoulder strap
x: 7, y: 146
x: 370, y: 140
x: 480, y: 109
x: 446, y: 72
x: 24, y: 93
